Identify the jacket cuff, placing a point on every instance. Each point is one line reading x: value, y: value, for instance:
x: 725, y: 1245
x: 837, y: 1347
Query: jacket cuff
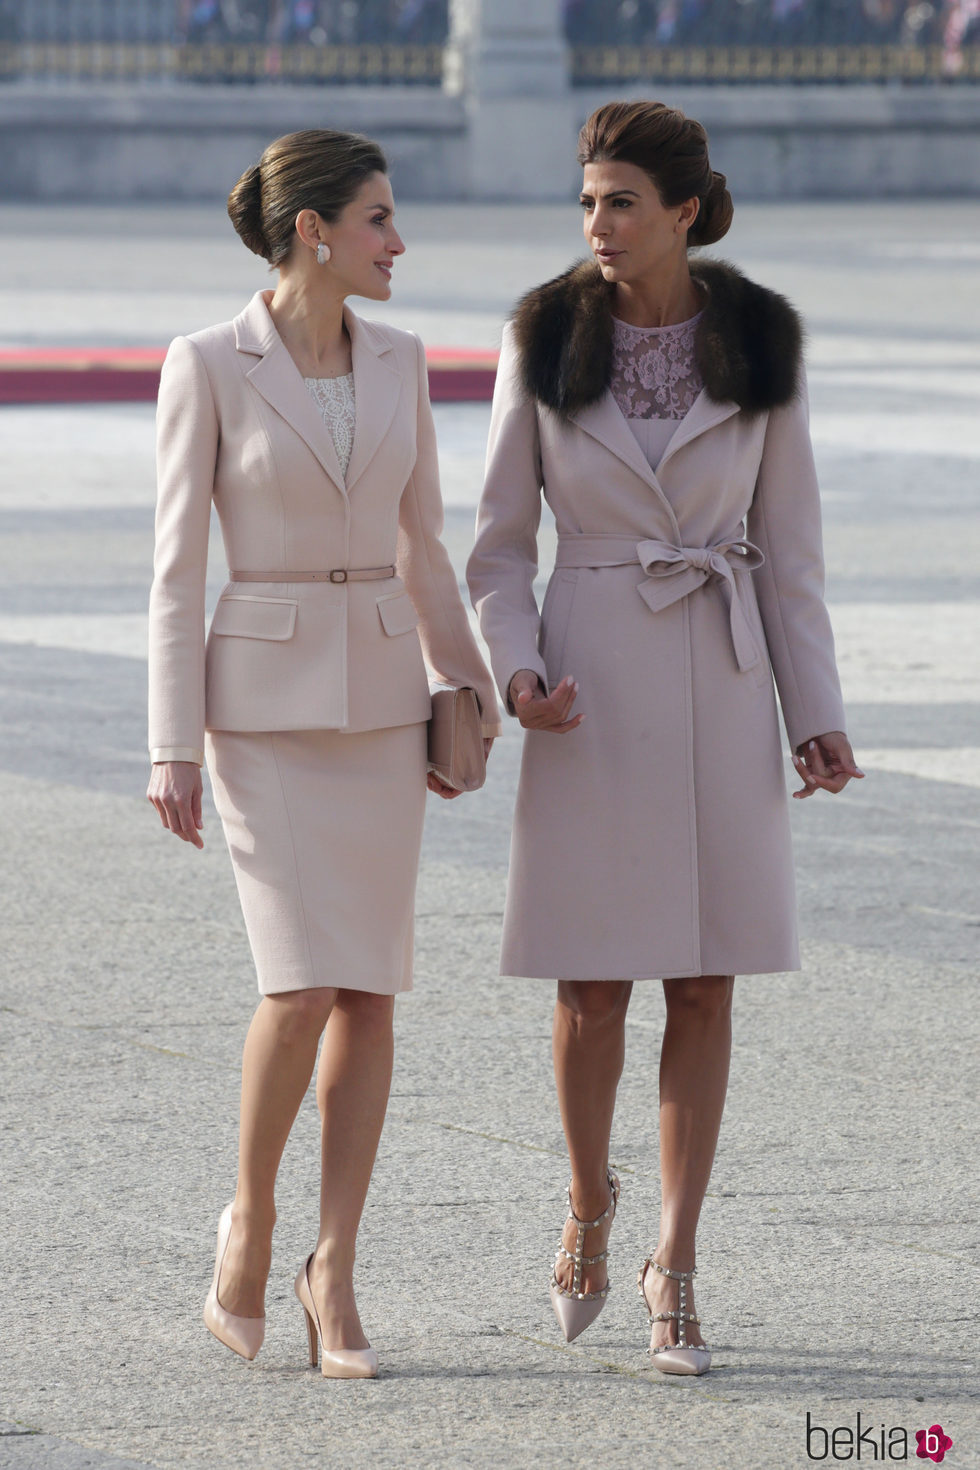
x: 819, y: 720
x: 159, y: 753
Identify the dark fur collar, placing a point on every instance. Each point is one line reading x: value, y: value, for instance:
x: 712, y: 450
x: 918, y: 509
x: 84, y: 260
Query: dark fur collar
x: 748, y: 343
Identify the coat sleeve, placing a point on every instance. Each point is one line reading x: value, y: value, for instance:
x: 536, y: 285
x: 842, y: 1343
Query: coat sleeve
x: 187, y: 447
x: 423, y: 563
x: 504, y: 560
x: 784, y: 522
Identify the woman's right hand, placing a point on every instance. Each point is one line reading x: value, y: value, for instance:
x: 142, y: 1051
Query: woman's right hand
x: 175, y: 790
x: 539, y: 711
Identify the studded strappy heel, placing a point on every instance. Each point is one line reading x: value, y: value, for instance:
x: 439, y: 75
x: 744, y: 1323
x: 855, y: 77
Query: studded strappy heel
x: 682, y: 1357
x: 577, y: 1309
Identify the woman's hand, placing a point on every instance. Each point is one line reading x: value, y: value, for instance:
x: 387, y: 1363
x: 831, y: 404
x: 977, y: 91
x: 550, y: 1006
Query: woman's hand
x: 825, y: 762
x: 175, y: 790
x: 448, y: 793
x: 539, y: 711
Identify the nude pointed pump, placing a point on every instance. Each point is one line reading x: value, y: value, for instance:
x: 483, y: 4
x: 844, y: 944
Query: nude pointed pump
x: 577, y: 1309
x: 334, y: 1362
x: 244, y: 1335
x: 680, y: 1357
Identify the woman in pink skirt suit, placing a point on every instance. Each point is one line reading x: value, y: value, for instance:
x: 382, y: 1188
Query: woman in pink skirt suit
x: 310, y: 431
x: 659, y: 403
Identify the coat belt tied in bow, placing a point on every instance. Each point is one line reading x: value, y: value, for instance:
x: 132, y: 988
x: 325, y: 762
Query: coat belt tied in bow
x: 674, y: 571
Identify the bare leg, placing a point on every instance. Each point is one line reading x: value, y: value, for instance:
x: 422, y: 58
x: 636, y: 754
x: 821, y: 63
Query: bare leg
x: 694, y: 1062
x: 353, y: 1082
x: 589, y: 1042
x: 277, y: 1064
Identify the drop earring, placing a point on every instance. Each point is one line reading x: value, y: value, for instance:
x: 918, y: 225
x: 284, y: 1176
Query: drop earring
x: 322, y: 253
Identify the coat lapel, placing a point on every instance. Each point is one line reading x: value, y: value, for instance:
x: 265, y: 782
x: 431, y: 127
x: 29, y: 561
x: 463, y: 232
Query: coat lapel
x: 377, y: 385
x: 604, y: 421
x: 705, y: 413
x: 276, y: 377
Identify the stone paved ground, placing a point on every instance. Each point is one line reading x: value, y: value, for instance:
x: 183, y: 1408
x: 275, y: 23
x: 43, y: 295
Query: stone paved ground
x: 839, y: 1243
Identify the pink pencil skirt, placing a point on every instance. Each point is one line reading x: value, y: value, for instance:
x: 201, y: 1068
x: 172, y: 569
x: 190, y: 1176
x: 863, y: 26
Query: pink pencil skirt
x: 324, y: 831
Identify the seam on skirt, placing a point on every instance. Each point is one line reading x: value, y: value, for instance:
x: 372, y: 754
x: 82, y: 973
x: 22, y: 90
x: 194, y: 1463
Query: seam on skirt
x: 292, y: 843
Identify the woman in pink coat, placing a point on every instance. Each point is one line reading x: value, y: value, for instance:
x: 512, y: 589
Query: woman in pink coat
x: 310, y: 431
x: 659, y: 403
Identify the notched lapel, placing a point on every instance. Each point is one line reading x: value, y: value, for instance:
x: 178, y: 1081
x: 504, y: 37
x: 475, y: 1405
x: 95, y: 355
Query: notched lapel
x: 377, y: 384
x: 277, y: 378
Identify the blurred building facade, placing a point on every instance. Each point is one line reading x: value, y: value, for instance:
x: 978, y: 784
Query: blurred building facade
x: 483, y: 98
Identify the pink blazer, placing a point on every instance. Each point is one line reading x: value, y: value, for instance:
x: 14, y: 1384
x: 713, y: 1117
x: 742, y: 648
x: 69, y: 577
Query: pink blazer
x: 236, y: 425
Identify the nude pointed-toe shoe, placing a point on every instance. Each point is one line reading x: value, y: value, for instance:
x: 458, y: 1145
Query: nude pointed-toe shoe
x: 577, y: 1309
x: 681, y: 1357
x: 334, y: 1362
x: 244, y: 1335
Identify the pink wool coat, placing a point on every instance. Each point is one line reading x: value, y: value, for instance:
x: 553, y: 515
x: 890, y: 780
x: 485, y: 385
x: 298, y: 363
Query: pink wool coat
x: 653, y: 840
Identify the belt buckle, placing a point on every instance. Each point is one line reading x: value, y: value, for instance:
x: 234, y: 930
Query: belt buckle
x: 338, y: 576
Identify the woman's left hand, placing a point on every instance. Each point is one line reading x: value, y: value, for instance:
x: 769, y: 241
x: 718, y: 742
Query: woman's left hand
x: 825, y: 763
x: 449, y: 792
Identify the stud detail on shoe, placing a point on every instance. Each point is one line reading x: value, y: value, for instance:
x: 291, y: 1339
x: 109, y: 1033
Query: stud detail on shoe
x: 575, y: 1308
x: 690, y: 1357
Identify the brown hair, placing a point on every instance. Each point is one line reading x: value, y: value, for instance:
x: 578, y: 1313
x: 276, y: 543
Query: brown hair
x: 672, y: 149
x: 315, y: 169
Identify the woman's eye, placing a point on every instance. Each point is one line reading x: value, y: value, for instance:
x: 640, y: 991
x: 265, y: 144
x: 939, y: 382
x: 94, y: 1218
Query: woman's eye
x: 587, y: 205
x: 622, y: 203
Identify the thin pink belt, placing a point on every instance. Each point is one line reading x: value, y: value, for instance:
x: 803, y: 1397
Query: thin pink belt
x: 672, y: 572
x: 340, y: 574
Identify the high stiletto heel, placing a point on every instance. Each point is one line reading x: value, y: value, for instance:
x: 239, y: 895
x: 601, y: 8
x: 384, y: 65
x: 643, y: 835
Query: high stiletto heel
x: 577, y: 1309
x: 244, y: 1335
x: 682, y: 1357
x: 334, y: 1362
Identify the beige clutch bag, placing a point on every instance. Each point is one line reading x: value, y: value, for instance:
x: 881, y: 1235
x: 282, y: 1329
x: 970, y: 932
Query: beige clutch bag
x: 456, y: 751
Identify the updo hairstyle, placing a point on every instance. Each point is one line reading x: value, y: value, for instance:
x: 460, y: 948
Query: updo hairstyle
x: 672, y: 149
x: 315, y: 169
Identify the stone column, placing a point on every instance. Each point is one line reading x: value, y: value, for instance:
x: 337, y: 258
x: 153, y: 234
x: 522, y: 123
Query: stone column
x: 509, y: 61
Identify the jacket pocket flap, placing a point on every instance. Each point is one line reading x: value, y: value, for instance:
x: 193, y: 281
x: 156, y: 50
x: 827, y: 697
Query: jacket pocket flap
x: 255, y: 617
x: 398, y: 614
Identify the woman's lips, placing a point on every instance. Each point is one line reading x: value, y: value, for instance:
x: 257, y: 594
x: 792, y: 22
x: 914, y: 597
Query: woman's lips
x: 384, y: 266
x: 608, y: 254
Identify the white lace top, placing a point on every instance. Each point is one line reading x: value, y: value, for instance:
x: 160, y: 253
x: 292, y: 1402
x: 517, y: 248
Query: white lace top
x: 654, y: 373
x: 334, y: 397
x: 654, y: 381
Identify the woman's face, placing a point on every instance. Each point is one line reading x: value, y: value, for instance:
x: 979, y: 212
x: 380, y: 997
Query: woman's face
x: 363, y: 241
x: 631, y: 233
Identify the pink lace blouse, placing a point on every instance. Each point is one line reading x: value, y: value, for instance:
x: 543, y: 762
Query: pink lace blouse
x: 655, y: 380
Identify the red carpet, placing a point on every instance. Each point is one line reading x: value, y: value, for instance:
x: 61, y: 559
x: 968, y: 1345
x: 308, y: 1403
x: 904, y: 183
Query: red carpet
x: 131, y: 374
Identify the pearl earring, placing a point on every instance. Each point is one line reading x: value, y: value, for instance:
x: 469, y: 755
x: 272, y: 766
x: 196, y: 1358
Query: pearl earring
x: 322, y: 253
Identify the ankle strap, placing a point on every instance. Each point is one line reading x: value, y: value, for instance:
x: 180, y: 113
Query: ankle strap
x: 674, y: 1275
x: 610, y: 1209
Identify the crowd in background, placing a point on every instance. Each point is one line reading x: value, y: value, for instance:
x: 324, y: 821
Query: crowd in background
x: 949, y: 24
x: 599, y: 22
x: 772, y: 22
x: 317, y: 22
